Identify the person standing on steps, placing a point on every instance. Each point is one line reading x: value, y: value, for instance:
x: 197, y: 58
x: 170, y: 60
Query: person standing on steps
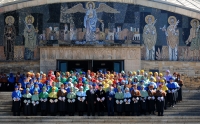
x: 43, y: 101
x: 81, y: 96
x: 91, y: 100
x: 100, y: 100
x: 172, y: 89
x: 160, y: 100
x: 16, y: 96
x: 62, y: 93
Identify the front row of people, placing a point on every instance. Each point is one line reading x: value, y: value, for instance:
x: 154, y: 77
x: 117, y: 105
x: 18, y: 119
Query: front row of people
x: 132, y: 101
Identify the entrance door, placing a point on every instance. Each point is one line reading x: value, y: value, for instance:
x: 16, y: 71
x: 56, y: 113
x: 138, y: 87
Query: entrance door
x: 73, y: 65
x: 93, y: 65
x: 108, y: 65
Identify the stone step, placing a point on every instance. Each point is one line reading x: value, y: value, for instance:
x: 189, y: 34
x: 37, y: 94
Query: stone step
x: 85, y: 119
x: 175, y: 109
x: 166, y: 113
x: 100, y: 120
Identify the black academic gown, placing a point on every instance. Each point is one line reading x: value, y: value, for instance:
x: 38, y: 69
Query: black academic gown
x: 71, y: 107
x: 61, y: 105
x: 27, y: 107
x: 81, y: 105
x: 143, y: 105
x: 127, y: 106
x: 90, y: 98
x: 35, y: 108
x: 151, y: 102
x: 16, y: 107
x: 180, y: 93
x: 135, y: 105
x: 53, y: 107
x: 62, y: 102
x: 171, y: 96
x: 101, y: 105
x: 120, y: 107
x: 43, y: 107
x: 160, y: 105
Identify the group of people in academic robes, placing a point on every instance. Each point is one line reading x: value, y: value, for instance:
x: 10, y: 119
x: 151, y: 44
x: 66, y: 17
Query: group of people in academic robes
x: 91, y: 94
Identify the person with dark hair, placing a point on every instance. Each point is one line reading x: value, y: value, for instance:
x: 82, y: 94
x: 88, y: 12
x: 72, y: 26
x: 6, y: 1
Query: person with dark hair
x: 151, y: 99
x: 62, y: 93
x: 135, y: 100
x: 160, y: 100
x: 180, y: 83
x: 100, y: 93
x: 16, y: 96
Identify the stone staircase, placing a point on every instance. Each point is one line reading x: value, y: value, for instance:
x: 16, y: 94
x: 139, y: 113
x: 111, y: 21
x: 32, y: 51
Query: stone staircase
x: 186, y: 112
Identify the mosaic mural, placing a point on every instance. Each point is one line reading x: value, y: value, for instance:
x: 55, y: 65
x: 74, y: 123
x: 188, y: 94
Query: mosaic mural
x: 164, y: 35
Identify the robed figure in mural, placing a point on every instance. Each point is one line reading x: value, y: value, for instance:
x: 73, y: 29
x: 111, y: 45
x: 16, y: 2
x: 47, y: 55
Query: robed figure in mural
x: 90, y: 21
x: 30, y: 35
x: 9, y: 37
x: 90, y: 18
x: 150, y: 37
x: 194, y: 39
x: 172, y: 34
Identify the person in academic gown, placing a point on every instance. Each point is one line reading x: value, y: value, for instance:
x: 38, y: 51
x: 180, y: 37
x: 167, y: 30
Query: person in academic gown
x: 110, y: 98
x: 160, y: 100
x: 143, y: 100
x: 43, y: 101
x: 35, y: 102
x: 180, y: 83
x: 127, y: 102
x: 151, y: 99
x: 62, y: 93
x: 71, y: 98
x: 135, y: 100
x: 53, y: 85
x: 11, y: 81
x: 81, y: 96
x: 172, y: 89
x: 27, y: 102
x: 90, y: 100
x: 53, y: 102
x: 100, y: 93
x: 119, y: 96
x: 16, y: 96
x: 164, y: 88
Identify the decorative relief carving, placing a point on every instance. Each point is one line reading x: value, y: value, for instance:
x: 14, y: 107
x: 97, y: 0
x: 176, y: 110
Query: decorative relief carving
x: 90, y: 53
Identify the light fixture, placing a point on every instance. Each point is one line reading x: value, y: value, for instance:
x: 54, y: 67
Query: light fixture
x: 103, y: 64
x: 77, y: 64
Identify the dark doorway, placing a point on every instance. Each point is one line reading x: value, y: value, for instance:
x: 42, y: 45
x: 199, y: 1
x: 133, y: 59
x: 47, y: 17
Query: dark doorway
x: 94, y: 65
x: 73, y: 65
x: 109, y: 65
